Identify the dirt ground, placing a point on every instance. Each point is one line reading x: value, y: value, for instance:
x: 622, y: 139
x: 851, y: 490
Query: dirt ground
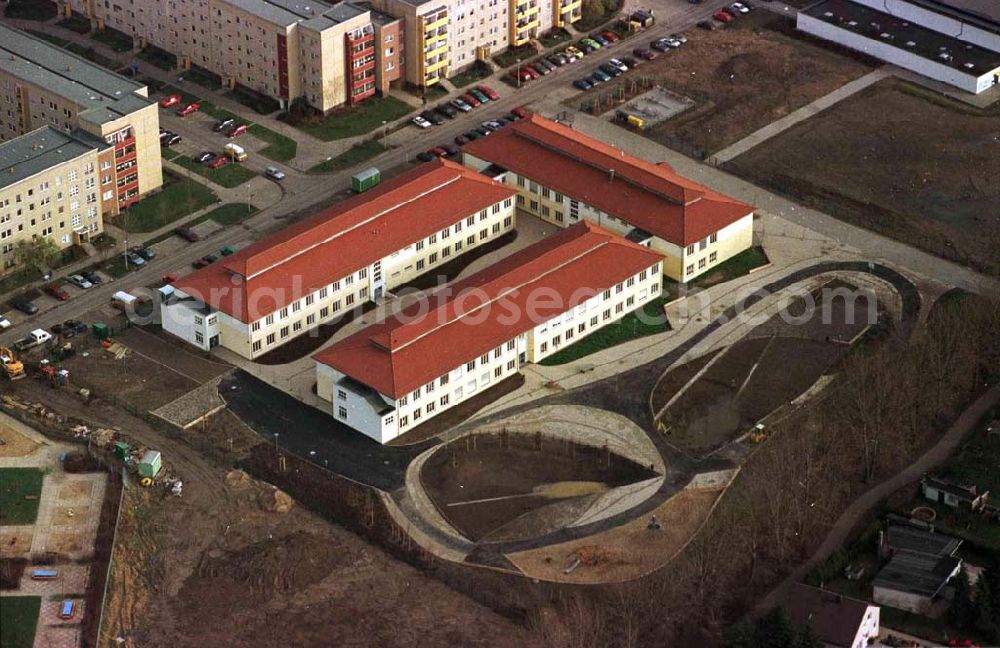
x: 741, y: 78
x: 899, y: 160
x: 779, y: 360
x: 516, y: 479
x: 221, y: 566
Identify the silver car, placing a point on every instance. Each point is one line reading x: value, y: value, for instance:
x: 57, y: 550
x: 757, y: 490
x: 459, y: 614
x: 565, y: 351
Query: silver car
x: 274, y: 172
x: 79, y: 281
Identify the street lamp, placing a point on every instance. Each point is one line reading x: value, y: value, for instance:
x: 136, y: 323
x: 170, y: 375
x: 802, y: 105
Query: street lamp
x: 385, y: 131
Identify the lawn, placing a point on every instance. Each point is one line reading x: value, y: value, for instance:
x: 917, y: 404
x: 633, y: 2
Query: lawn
x: 159, y: 58
x: 18, y: 621
x: 648, y: 320
x: 116, y: 40
x: 515, y: 54
x: 554, y: 37
x: 593, y: 20
x: 93, y: 56
x: 168, y: 153
x: 178, y: 198
x: 40, y: 10
x: 229, y: 176
x: 55, y: 40
x: 227, y: 214
x: 259, y: 103
x: 17, y: 485
x: 280, y: 148
x: 353, y: 121
x: 204, y: 78
x: 76, y: 23
x: 221, y: 114
x: 477, y: 72
x: 351, y: 157
x: 737, y: 266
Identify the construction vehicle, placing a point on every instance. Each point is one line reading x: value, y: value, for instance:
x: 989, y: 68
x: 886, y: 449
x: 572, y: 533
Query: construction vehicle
x: 33, y: 339
x: 13, y: 367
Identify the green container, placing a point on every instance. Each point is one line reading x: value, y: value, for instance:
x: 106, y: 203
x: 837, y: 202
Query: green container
x: 101, y: 331
x: 150, y: 464
x: 365, y: 180
x: 229, y: 249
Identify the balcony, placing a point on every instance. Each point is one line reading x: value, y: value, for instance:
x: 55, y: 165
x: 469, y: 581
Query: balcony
x: 570, y: 6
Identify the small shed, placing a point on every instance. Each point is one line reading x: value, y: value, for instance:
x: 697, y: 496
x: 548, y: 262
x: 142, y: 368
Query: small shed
x: 365, y: 180
x: 101, y: 331
x: 149, y: 465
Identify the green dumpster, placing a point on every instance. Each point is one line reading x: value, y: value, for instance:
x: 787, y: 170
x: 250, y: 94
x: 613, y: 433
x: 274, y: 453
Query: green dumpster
x: 121, y: 451
x: 101, y: 331
x: 229, y: 249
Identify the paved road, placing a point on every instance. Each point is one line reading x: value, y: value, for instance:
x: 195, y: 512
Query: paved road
x: 855, y: 513
x: 307, y: 193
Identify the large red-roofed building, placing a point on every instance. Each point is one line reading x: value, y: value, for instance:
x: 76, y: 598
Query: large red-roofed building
x: 350, y: 254
x: 396, y: 374
x: 564, y: 176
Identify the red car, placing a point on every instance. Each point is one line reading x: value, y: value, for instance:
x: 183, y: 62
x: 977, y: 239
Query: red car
x: 535, y: 74
x: 437, y: 151
x: 520, y: 112
x: 170, y: 100
x: 188, y: 109
x: 57, y: 291
x: 524, y: 75
x: 236, y: 130
x: 469, y: 99
x: 610, y: 35
x: 722, y: 16
x: 169, y: 278
x: 489, y: 92
x: 220, y: 161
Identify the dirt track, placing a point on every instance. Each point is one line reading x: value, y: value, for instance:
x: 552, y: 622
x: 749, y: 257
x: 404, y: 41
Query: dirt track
x: 899, y: 160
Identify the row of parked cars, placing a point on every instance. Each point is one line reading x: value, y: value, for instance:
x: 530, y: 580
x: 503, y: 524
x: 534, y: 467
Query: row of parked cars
x: 617, y: 66
x: 451, y: 109
x: 484, y: 129
x: 546, y: 64
x: 728, y: 14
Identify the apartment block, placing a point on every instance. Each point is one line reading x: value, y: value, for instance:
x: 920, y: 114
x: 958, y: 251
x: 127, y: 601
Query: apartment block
x: 445, y: 36
x: 565, y: 177
x: 53, y: 185
x: 399, y: 373
x: 285, y: 49
x: 43, y: 85
x: 351, y: 254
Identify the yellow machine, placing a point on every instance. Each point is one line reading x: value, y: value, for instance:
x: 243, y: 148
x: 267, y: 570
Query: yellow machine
x: 12, y: 366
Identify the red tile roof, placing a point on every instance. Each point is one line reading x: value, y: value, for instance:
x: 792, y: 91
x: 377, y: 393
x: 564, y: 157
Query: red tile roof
x: 487, y: 309
x: 341, y: 239
x: 649, y: 196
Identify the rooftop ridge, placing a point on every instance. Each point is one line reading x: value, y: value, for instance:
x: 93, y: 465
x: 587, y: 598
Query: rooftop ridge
x: 458, y: 315
x: 397, y: 205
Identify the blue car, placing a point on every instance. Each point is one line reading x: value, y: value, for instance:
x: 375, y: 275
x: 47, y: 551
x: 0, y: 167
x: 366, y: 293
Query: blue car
x: 582, y: 84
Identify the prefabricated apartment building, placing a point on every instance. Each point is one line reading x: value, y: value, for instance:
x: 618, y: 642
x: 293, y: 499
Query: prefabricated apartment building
x: 625, y: 229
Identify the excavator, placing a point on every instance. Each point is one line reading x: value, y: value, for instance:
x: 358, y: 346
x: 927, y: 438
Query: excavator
x: 12, y: 366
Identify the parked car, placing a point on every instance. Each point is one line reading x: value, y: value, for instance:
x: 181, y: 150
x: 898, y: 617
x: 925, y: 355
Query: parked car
x: 481, y: 96
x: 601, y: 74
x: 187, y: 234
x: 24, y: 305
x: 235, y: 130
x: 601, y: 40
x: 524, y: 75
x: 610, y: 36
x: 557, y: 60
x: 489, y: 92
x: 738, y: 8
x: 679, y: 37
x: 543, y: 66
x: 204, y: 156
x: 574, y: 52
x: 169, y: 139
x: 722, y: 16
x: 707, y: 25
x: 535, y: 74
x: 170, y: 100
x: 471, y: 135
x: 593, y: 79
x: 223, y: 125
x: 4, y: 323
x: 438, y: 151
x: 421, y: 122
x: 585, y: 47
x: 79, y: 281
x: 274, y: 173
x: 92, y: 277
x: 469, y: 99
x: 582, y: 84
x: 593, y: 43
x: 433, y: 117
x: 146, y: 253
x: 425, y: 156
x: 643, y: 53
x: 209, y: 259
x: 192, y: 107
x: 217, y: 162
x: 447, y: 110
x: 519, y: 111
x: 70, y: 328
x: 482, y: 130
x: 611, y: 70
x: 462, y: 140
x: 618, y: 63
x: 450, y: 150
x: 226, y: 251
x: 56, y: 291
x: 134, y: 259
x: 461, y: 105
x: 492, y: 125
x: 660, y: 45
